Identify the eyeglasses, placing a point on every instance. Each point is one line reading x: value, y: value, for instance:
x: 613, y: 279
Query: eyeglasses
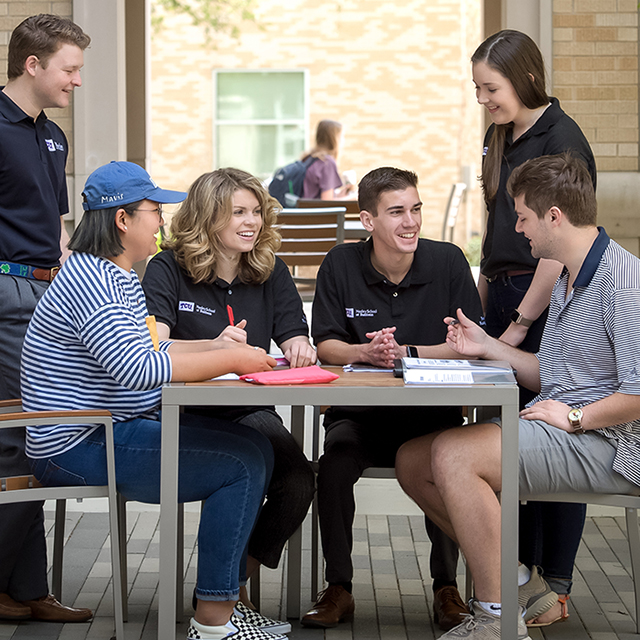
x: 158, y: 211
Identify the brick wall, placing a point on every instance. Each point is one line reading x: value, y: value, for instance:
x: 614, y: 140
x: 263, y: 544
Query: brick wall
x: 396, y: 74
x: 595, y: 75
x: 12, y: 13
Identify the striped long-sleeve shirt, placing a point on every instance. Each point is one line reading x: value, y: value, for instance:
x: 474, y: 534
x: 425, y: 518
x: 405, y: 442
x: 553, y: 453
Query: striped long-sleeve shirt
x: 591, y: 343
x: 88, y: 347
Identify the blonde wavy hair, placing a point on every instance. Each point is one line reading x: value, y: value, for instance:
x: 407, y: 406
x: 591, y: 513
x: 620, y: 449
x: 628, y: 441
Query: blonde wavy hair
x: 196, y: 225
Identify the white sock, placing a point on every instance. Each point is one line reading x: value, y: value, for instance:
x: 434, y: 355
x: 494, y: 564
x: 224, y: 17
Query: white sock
x: 524, y: 574
x: 217, y: 632
x: 494, y: 608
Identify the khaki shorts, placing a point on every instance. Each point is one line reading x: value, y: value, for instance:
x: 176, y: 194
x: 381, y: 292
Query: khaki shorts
x: 554, y: 461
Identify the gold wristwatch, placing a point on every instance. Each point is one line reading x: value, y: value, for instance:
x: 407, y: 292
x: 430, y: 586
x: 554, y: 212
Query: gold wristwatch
x: 575, y: 420
x: 518, y: 318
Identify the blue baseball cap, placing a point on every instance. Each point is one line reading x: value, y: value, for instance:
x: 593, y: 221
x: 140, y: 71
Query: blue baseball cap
x: 121, y: 183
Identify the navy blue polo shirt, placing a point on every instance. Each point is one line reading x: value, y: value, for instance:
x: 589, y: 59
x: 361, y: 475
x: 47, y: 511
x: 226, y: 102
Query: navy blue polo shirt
x: 352, y: 299
x: 273, y: 309
x: 33, y: 189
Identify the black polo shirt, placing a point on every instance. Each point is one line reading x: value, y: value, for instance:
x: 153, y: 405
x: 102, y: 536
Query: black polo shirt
x: 33, y: 189
x: 352, y: 299
x: 553, y: 133
x: 273, y: 310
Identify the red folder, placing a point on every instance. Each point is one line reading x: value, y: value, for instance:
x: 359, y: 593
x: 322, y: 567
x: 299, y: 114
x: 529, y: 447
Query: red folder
x: 299, y: 375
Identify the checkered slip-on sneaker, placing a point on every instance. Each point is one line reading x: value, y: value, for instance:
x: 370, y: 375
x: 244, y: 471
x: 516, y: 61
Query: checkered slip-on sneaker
x: 236, y: 630
x: 255, y: 619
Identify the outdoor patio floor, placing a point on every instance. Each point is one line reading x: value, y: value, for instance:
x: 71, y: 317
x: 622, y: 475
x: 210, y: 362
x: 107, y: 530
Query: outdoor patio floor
x: 391, y: 585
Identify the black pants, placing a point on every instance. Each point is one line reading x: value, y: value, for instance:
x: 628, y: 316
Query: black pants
x: 349, y: 448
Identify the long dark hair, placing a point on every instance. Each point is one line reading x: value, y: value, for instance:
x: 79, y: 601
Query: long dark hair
x: 515, y: 56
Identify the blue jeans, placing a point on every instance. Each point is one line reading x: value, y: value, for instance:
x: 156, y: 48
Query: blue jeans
x: 226, y: 465
x: 550, y: 532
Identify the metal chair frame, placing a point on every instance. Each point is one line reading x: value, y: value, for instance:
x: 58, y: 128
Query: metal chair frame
x: 11, y: 416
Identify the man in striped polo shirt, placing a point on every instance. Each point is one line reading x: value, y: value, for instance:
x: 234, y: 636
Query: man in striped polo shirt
x: 582, y: 432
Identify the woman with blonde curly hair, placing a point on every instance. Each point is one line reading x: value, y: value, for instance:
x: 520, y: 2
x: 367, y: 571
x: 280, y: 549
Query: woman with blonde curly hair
x: 220, y: 266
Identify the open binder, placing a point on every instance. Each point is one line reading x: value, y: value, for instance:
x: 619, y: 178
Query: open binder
x: 433, y: 371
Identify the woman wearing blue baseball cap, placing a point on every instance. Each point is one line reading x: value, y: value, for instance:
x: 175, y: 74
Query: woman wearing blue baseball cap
x: 91, y: 344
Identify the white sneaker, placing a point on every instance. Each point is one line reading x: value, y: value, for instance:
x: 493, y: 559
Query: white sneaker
x: 255, y: 619
x: 481, y: 625
x: 236, y: 629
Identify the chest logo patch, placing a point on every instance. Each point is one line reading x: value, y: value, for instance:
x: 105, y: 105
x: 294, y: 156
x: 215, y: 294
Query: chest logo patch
x: 52, y: 145
x: 186, y: 306
x: 360, y: 313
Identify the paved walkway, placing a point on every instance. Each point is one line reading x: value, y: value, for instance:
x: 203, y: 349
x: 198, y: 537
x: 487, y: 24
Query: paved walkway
x: 392, y: 585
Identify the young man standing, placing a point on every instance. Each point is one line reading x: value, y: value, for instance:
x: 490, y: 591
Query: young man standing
x: 372, y: 300
x: 582, y: 432
x: 44, y: 61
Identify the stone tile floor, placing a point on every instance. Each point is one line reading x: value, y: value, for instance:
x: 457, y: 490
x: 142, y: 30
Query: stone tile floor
x: 391, y: 585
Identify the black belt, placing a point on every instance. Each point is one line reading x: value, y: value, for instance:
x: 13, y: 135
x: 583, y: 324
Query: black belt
x: 510, y: 274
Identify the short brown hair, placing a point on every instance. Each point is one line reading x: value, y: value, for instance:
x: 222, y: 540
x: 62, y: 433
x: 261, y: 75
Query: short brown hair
x: 561, y: 181
x: 42, y: 36
x: 380, y: 180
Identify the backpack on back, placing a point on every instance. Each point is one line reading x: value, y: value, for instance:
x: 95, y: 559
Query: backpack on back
x: 289, y: 180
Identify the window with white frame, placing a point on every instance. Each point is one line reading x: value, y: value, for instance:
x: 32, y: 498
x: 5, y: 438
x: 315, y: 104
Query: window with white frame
x: 260, y: 119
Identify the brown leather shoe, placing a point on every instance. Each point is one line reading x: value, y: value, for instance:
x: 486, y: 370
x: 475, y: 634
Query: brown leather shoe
x: 49, y: 609
x: 12, y: 610
x: 448, y: 609
x: 333, y: 605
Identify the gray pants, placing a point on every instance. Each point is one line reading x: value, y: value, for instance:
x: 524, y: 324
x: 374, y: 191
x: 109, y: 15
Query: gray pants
x: 23, y: 552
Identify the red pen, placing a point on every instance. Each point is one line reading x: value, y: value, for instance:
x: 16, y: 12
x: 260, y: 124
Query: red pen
x: 230, y: 314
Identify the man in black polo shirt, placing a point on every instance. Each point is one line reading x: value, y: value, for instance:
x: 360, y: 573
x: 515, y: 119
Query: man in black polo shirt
x: 44, y: 60
x: 372, y: 300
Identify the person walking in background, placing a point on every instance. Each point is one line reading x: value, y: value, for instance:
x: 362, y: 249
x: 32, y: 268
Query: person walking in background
x: 44, y: 61
x: 218, y: 279
x: 322, y: 179
x: 515, y: 287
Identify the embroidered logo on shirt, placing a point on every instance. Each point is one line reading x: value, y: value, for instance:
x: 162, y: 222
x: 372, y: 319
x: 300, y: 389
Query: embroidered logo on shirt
x: 185, y: 306
x: 52, y: 145
x: 205, y: 310
x: 360, y: 313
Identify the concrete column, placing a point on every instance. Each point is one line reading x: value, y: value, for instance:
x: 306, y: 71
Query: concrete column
x: 100, y: 106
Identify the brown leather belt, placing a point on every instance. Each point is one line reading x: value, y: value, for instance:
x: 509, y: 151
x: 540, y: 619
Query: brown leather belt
x: 510, y: 274
x: 19, y: 482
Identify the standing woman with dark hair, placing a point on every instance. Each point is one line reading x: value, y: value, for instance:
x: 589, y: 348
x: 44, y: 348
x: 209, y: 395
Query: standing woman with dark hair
x: 322, y: 179
x: 219, y: 279
x: 515, y: 288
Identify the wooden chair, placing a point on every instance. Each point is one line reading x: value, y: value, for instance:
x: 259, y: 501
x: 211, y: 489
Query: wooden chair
x: 451, y: 212
x: 27, y: 489
x: 352, y: 209
x: 353, y: 229
x: 307, y: 236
